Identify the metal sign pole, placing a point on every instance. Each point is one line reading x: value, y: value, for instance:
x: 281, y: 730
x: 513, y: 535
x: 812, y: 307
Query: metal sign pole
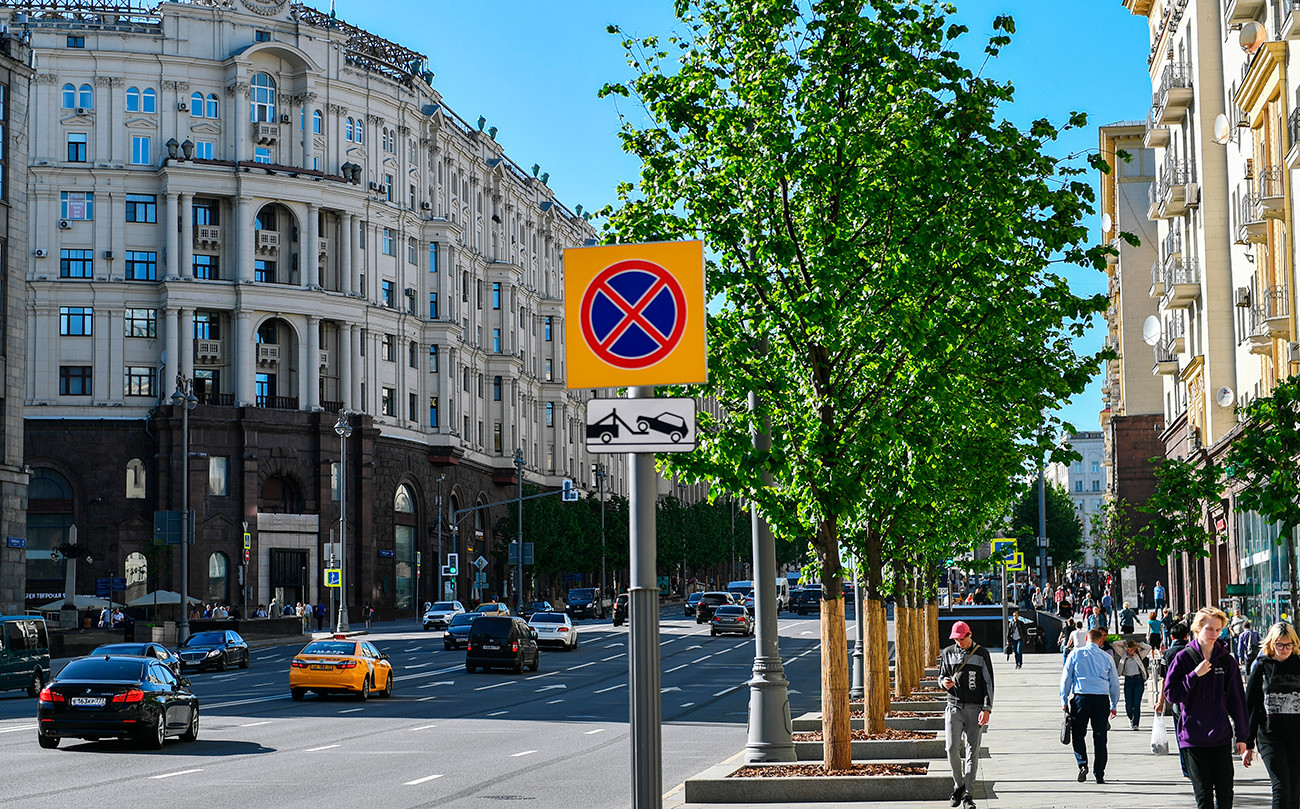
x: 643, y: 635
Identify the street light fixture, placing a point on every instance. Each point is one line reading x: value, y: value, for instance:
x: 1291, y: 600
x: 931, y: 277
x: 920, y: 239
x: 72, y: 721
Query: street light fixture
x: 184, y: 399
x: 601, y: 474
x: 519, y: 532
x: 344, y: 429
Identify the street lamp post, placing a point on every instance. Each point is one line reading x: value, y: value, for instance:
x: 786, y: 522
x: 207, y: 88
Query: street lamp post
x: 519, y: 532
x: 601, y: 474
x: 440, y: 591
x: 184, y: 399
x: 344, y: 429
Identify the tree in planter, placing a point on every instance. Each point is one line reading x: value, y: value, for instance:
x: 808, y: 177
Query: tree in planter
x: 1183, y: 495
x: 1114, y: 540
x: 1264, y: 458
x: 1064, y: 529
x: 885, y: 290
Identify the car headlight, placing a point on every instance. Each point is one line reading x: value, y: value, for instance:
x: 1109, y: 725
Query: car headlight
x: 214, y: 653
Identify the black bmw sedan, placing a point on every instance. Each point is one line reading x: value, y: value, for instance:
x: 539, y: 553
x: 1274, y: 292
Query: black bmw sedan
x: 155, y: 650
x: 117, y: 697
x: 214, y: 650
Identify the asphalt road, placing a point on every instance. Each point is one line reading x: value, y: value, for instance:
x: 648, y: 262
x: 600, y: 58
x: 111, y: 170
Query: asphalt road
x: 555, y: 738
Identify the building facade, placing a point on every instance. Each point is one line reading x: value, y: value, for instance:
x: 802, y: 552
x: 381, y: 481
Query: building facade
x: 278, y: 214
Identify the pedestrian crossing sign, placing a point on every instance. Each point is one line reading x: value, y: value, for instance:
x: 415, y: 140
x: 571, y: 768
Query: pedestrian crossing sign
x: 333, y: 577
x: 1016, y: 563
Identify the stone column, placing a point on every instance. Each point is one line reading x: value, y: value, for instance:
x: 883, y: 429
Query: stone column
x: 187, y: 343
x: 172, y: 333
x: 345, y: 364
x: 187, y: 236
x: 311, y: 254
x: 355, y: 225
x: 343, y: 254
x: 311, y: 396
x: 173, y: 250
x: 244, y: 239
x: 244, y: 352
x: 358, y: 371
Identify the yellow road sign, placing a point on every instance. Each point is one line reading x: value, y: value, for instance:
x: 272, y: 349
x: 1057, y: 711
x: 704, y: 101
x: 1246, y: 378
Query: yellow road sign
x: 333, y: 577
x: 1017, y: 562
x: 634, y: 315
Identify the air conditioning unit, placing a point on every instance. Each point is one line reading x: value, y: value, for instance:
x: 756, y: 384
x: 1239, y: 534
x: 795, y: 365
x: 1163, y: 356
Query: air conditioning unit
x: 1250, y: 168
x: 1242, y: 297
x: 64, y: 224
x: 182, y: 106
x: 108, y: 254
x: 374, y: 186
x: 39, y: 253
x: 1293, y: 352
x: 83, y: 110
x: 426, y: 206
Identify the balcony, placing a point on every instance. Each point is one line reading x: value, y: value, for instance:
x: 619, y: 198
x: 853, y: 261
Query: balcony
x: 1293, y: 127
x: 1243, y: 11
x: 1157, y: 280
x: 1182, y: 283
x: 207, y: 352
x: 1175, y: 95
x: 1251, y: 227
x: 1275, y: 312
x: 1174, y: 191
x: 1166, y: 360
x: 1112, y: 258
x: 1157, y: 134
x: 1288, y: 26
x: 266, y: 134
x: 1270, y: 202
x: 268, y: 354
x: 268, y: 241
x: 278, y: 402
x: 217, y: 399
x: 1171, y: 246
x: 207, y: 236
x: 1174, y: 331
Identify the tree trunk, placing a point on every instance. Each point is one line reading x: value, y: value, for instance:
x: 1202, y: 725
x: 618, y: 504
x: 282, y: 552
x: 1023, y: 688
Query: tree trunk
x: 918, y: 628
x: 876, y: 662
x: 838, y: 745
x: 932, y: 642
x: 902, y: 640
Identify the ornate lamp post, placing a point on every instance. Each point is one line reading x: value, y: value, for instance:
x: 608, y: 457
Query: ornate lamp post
x: 344, y: 429
x: 184, y: 399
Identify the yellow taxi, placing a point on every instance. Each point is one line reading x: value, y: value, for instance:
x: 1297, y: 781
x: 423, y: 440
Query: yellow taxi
x: 340, y: 665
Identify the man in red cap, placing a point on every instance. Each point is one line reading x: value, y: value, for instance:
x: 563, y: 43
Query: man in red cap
x: 966, y: 673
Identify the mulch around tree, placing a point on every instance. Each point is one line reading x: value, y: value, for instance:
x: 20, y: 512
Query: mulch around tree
x: 891, y: 734
x: 817, y: 770
x: 901, y: 714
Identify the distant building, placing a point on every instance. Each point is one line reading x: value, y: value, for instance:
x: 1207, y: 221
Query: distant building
x: 1086, y: 483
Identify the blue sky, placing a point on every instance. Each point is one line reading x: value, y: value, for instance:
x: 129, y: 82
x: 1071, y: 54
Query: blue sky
x: 533, y: 69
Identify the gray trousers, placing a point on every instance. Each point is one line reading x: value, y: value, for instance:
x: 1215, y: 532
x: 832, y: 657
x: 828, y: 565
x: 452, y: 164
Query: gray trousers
x: 958, y: 721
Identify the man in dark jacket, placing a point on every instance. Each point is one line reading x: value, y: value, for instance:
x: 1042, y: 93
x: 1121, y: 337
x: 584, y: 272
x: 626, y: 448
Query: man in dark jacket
x: 966, y: 672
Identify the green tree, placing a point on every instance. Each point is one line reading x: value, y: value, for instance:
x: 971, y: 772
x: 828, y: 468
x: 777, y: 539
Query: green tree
x: 1264, y: 458
x: 1113, y: 537
x: 875, y: 277
x: 1184, y: 492
x: 1064, y: 529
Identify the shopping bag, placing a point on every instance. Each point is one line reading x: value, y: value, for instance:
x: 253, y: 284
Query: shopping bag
x: 1065, y: 729
x: 1159, y: 737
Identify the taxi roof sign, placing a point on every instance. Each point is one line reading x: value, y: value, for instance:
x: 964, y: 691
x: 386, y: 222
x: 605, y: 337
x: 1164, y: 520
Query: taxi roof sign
x: 635, y: 315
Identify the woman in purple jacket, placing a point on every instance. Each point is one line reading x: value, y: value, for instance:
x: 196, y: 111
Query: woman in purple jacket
x: 1205, y: 681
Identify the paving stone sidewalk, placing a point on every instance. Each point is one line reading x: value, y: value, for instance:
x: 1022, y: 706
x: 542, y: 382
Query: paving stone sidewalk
x: 1028, y: 767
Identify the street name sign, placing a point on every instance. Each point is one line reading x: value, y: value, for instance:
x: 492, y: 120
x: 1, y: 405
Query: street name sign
x: 641, y: 425
x: 634, y: 315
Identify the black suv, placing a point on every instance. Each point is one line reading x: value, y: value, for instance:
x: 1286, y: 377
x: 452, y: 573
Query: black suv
x: 620, y: 609
x: 584, y: 603
x: 498, y: 641
x: 708, y: 603
x: 806, y: 599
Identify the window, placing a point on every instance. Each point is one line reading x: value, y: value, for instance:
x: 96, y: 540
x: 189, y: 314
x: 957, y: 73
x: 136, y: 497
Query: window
x: 261, y: 36
x: 141, y: 322
x: 1078, y: 466
x: 433, y: 359
x: 388, y: 189
x: 76, y: 147
x: 140, y: 150
x: 212, y: 107
x: 74, y: 380
x: 86, y: 97
x: 264, y: 271
x: 1096, y: 467
x: 548, y: 370
x: 433, y: 412
x: 550, y: 414
x: 261, y: 154
x: 496, y: 388
x: 218, y: 475
x: 410, y: 300
x: 464, y: 382
x: 347, y: 131
x: 496, y: 294
x: 206, y: 212
x: 206, y: 326
x: 76, y: 42
x: 141, y: 265
x: 203, y: 150
x: 140, y: 380
x: 496, y: 341
x: 69, y: 96
x: 433, y: 305
x: 76, y: 263
x: 1096, y: 485
x: 412, y: 354
x: 142, y: 208
x: 133, y: 99
x: 433, y: 256
x: 261, y: 106
x: 387, y: 242
x: 412, y: 407
x: 548, y: 322
x: 387, y: 405
x: 206, y: 268
x: 76, y: 321
x: 149, y: 100
x: 196, y: 105
x: 412, y: 251
x: 387, y: 347
x: 480, y: 386
x: 78, y: 205
x: 135, y: 479
x: 496, y: 437
x: 386, y: 293
x: 361, y: 132
x: 1078, y: 485
x: 317, y: 122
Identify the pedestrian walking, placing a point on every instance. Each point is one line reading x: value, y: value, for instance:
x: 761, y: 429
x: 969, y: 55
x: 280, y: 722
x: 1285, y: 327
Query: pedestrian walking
x: 1108, y: 607
x: 320, y: 611
x: 368, y: 613
x: 1134, y: 673
x: 1015, y: 640
x: 1098, y: 620
x: 1127, y: 619
x: 1142, y: 597
x: 1155, y: 630
x: 1159, y: 594
x: 966, y: 673
x: 1090, y: 695
x: 1057, y: 597
x: 1248, y: 646
x: 1273, y: 710
x: 1205, y: 683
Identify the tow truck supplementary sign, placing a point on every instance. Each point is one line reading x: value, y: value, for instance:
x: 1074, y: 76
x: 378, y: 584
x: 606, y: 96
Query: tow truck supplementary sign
x: 635, y: 315
x: 641, y: 425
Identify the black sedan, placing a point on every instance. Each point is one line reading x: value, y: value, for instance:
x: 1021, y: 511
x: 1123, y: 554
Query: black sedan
x: 709, y: 602
x: 155, y: 650
x: 117, y: 697
x: 531, y: 607
x: 457, y: 634
x: 692, y: 601
x: 214, y: 650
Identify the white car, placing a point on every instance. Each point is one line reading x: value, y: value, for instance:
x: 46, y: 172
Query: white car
x: 439, y: 615
x: 554, y: 628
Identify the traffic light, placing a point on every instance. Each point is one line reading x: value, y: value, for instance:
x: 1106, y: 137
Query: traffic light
x: 569, y: 494
x: 453, y: 562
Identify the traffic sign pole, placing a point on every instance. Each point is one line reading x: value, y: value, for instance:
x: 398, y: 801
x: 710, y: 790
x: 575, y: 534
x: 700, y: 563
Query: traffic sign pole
x: 643, y: 641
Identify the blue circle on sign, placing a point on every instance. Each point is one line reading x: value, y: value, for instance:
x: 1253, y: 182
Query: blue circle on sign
x: 634, y: 314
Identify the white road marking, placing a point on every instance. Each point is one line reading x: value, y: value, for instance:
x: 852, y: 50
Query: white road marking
x: 555, y: 702
x: 447, y: 670
x: 268, y: 659
x: 611, y: 688
x: 24, y: 727
x: 352, y: 710
x: 170, y: 774
x: 540, y: 676
x: 525, y: 753
x: 699, y: 660
x: 423, y: 727
x: 417, y: 666
x: 498, y: 713
x: 326, y: 747
x: 793, y: 691
x: 612, y: 657
x: 414, y: 649
x: 495, y: 685
x: 669, y: 688
x: 435, y: 685
x: 696, y: 646
x: 614, y: 645
x: 580, y: 666
x: 726, y: 691
x: 421, y: 780
x: 263, y: 685
x: 687, y: 704
x: 550, y: 687
x: 594, y: 732
x: 245, y: 701
x: 670, y: 640
x: 679, y: 668
x: 254, y: 724
x: 806, y: 632
x: 425, y: 699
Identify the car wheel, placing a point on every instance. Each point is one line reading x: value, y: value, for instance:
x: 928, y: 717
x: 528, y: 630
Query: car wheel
x: 47, y: 742
x: 192, y: 732
x: 364, y: 693
x: 388, y: 686
x: 38, y: 683
x: 713, y: 633
x: 575, y: 644
x: 157, y: 736
x: 222, y: 666
x: 297, y: 694
x: 699, y: 620
x: 470, y: 668
x: 243, y: 664
x: 519, y: 665
x: 537, y: 662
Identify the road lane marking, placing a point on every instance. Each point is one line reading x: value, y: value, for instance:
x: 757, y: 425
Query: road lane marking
x: 495, y: 685
x: 421, y: 780
x: 614, y: 645
x: 417, y: 666
x: 540, y: 676
x: 24, y: 727
x: 423, y: 727
x: 679, y: 668
x: 726, y: 691
x: 550, y: 688
x: 580, y: 666
x: 669, y: 688
x: 612, y: 657
x: 425, y: 699
x: 525, y: 753
x: 687, y: 704
x: 326, y: 747
x: 594, y: 732
x: 696, y: 646
x: 254, y: 724
x: 352, y: 710
x: 699, y: 660
x: 414, y: 649
x: 170, y: 774
x: 447, y: 670
x: 555, y: 702
x: 265, y: 684
x: 245, y: 701
x: 435, y: 685
x: 670, y: 640
x: 498, y: 713
x: 612, y: 687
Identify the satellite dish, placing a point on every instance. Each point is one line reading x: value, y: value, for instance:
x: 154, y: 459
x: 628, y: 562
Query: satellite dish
x: 1252, y: 37
x: 1222, y: 129
x: 1106, y: 223
x: 1225, y: 397
x: 1151, y: 330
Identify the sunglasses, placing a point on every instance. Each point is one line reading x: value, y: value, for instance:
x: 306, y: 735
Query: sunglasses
x: 1283, y: 645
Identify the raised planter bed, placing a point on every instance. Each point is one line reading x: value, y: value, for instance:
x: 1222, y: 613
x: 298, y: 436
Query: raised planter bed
x: 717, y: 785
x: 912, y: 749
x: 813, y: 721
x: 921, y: 706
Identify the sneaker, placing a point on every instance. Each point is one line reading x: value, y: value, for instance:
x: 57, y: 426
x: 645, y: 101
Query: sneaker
x: 968, y: 802
x: 1083, y: 774
x: 1101, y: 779
x: 957, y: 795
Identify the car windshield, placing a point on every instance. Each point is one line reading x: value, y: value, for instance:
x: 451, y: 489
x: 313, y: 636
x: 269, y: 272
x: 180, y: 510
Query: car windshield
x: 99, y: 668
x: 547, y: 618
x: 206, y: 639
x: 731, y: 610
x: 464, y: 619
x: 489, y: 607
x: 330, y: 647
x: 582, y: 594
x: 693, y: 597
x: 490, y: 628
x: 715, y: 598
x: 444, y: 605
x: 122, y: 649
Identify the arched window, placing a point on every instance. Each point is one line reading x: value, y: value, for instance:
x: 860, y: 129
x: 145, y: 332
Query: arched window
x: 347, y: 132
x: 149, y: 100
x: 317, y: 122
x: 133, y: 99
x: 267, y: 334
x: 404, y: 547
x: 266, y: 219
x: 262, y: 104
x: 404, y: 500
x: 86, y: 97
x: 218, y: 579
x: 135, y: 479
x: 280, y: 496
x: 361, y: 132
x: 137, y: 575
x: 69, y: 96
x: 196, y: 105
x: 213, y: 106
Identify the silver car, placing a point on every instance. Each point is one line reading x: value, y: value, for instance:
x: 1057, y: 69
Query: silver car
x: 554, y: 628
x: 439, y: 615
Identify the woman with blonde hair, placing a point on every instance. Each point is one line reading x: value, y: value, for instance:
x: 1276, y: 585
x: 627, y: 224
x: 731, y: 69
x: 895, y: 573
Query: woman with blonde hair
x: 1205, y: 681
x: 1273, y: 705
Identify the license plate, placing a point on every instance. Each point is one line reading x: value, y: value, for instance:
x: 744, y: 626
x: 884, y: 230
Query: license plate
x: 321, y: 667
x: 490, y: 647
x: 87, y: 702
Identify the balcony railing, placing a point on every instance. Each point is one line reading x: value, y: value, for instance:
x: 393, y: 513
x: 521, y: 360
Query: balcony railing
x: 1175, y: 94
x: 217, y: 399
x: 1172, y: 245
x: 207, y: 235
x: 267, y: 354
x: 278, y: 402
x: 1182, y: 283
x: 266, y: 133
x: 1251, y: 227
x: 1157, y: 279
x: 1166, y: 358
x: 1276, y: 309
x: 207, y: 352
x: 1270, y: 200
x: 1157, y: 134
x: 268, y: 241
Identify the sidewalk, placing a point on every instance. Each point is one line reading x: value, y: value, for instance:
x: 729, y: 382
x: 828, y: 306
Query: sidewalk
x: 1028, y: 767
